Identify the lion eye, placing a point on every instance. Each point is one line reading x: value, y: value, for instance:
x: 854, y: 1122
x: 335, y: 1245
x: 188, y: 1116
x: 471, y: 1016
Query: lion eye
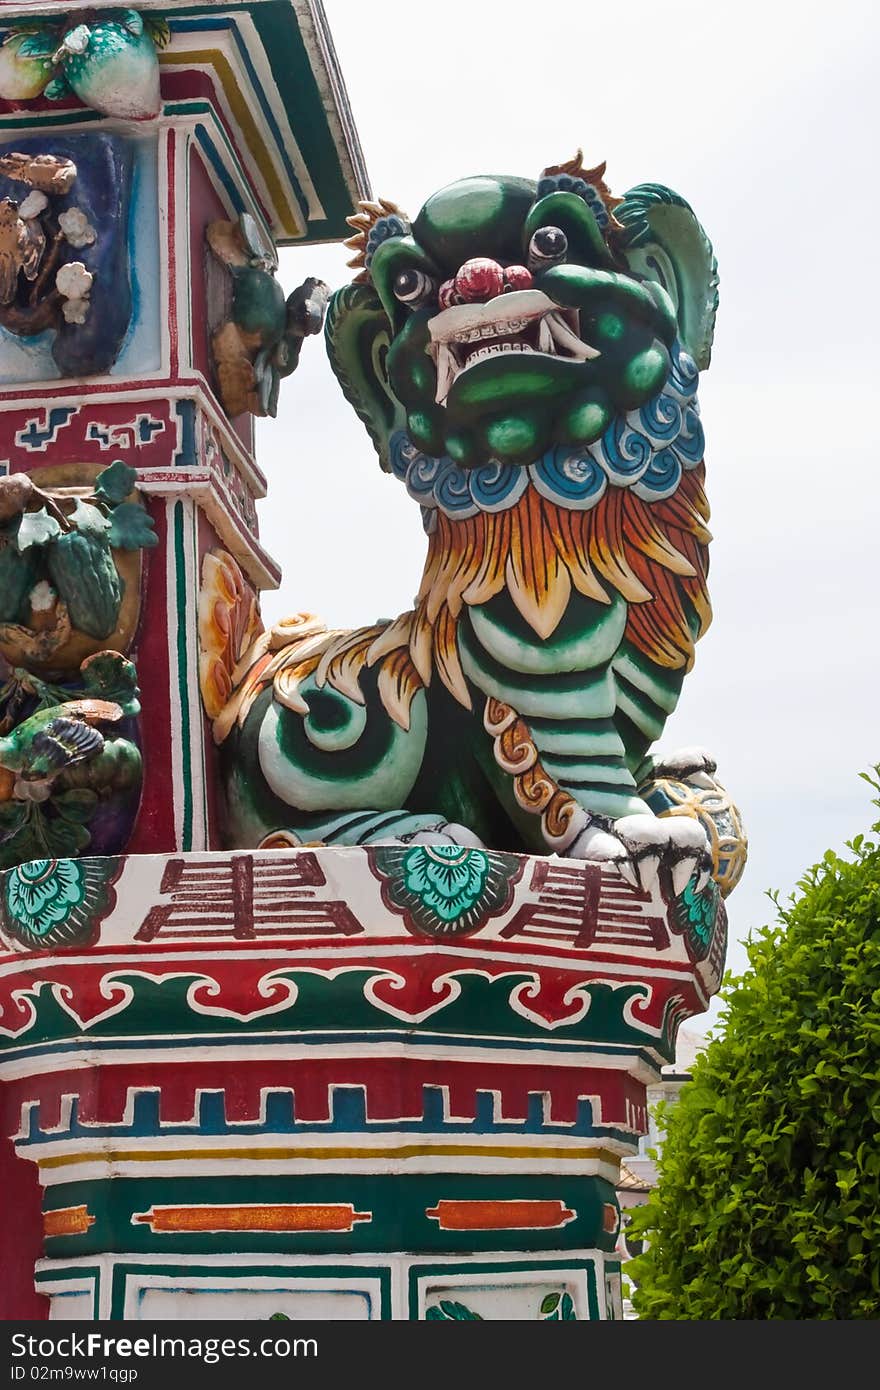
x: 414, y: 287
x: 548, y: 246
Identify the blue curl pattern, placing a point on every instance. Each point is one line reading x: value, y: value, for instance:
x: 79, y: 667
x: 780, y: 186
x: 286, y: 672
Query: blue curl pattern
x: 660, y: 420
x: 647, y: 450
x: 570, y: 477
x: 567, y: 183
x: 452, y: 492
x: 383, y: 230
x: 683, y: 376
x: 691, y: 443
x: 661, y: 479
x: 496, y: 486
x: 402, y: 453
x: 625, y: 453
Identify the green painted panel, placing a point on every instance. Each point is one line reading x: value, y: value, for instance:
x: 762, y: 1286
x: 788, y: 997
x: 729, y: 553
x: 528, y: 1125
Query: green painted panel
x: 397, y: 1204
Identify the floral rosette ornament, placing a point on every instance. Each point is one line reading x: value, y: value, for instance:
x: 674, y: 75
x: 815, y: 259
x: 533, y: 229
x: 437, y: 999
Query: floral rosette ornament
x: 445, y: 890
x: 51, y: 903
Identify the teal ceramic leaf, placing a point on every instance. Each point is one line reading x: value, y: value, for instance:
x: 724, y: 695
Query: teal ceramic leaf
x: 37, y: 528
x: 131, y: 528
x: 77, y: 806
x: 449, y: 1311
x: 115, y: 483
x: 85, y: 517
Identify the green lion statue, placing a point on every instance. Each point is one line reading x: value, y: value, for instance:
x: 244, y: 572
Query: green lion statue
x: 525, y: 358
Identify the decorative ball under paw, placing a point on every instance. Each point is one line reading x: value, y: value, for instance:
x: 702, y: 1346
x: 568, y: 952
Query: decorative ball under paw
x: 712, y: 806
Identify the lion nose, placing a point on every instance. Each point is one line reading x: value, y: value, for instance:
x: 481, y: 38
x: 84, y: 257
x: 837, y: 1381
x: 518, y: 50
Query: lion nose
x: 479, y: 279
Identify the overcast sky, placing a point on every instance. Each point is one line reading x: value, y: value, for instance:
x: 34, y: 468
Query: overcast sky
x: 765, y: 117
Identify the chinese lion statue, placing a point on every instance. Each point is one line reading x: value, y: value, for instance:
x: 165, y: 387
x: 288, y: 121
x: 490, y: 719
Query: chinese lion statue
x: 525, y: 358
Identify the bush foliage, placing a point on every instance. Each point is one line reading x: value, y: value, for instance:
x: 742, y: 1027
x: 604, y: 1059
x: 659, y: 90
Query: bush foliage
x: 768, y: 1201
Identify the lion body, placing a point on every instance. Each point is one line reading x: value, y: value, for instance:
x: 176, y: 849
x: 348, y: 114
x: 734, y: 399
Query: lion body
x: 540, y: 405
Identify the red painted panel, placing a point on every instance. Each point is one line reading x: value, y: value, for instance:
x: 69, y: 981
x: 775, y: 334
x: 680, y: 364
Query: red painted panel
x: 40, y: 435
x: 394, y: 1088
x: 206, y: 207
x: 187, y: 85
x: 209, y: 540
x: 154, y: 832
x: 22, y: 1232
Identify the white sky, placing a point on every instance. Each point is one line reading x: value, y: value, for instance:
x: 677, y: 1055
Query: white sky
x: 765, y: 116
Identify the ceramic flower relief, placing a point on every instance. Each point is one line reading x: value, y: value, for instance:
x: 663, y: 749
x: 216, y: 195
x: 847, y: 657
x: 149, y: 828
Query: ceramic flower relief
x: 34, y: 205
x: 74, y: 282
x: 77, y: 228
x: 42, y: 893
x: 446, y: 878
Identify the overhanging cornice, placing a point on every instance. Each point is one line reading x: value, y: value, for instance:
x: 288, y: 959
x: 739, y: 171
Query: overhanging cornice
x: 273, y: 69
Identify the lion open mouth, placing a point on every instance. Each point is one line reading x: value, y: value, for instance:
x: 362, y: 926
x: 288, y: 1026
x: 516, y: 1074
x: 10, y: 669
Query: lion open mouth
x: 520, y: 321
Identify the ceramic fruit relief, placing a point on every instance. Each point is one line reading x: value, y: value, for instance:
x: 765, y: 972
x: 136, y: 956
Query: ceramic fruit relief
x: 107, y: 59
x: 70, y: 763
x: 70, y: 760
x: 65, y: 583
x: 525, y: 357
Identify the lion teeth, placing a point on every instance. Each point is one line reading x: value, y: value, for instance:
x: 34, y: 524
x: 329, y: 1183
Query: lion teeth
x: 447, y: 371
x: 491, y: 330
x: 494, y: 348
x: 565, y: 338
x: 454, y: 330
x: 468, y: 322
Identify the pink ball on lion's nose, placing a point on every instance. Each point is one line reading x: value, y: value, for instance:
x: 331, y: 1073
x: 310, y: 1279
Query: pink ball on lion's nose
x: 517, y: 277
x: 479, y: 279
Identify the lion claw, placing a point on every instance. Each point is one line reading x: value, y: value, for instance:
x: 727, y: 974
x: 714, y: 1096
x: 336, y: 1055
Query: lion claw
x: 598, y: 845
x: 445, y: 833
x: 641, y: 846
x: 703, y: 876
x: 694, y: 764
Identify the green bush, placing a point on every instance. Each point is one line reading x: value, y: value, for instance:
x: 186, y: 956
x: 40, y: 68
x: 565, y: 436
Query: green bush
x: 768, y: 1201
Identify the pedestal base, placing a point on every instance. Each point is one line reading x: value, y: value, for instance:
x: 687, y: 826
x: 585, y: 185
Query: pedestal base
x: 570, y: 1285
x: 251, y: 1082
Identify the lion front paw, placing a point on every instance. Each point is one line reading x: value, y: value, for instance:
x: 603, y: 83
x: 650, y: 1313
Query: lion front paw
x: 693, y: 764
x: 643, y: 846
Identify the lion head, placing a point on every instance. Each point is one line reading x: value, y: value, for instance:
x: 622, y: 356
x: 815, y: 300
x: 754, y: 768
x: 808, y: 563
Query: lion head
x: 514, y: 322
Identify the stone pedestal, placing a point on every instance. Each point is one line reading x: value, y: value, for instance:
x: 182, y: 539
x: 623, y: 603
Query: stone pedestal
x: 337, y: 1083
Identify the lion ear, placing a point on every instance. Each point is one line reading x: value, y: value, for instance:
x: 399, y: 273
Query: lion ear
x: 663, y: 241
x: 358, y: 338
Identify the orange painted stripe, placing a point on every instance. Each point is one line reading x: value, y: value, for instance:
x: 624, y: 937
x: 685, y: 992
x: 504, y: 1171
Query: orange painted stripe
x: 299, y: 1216
x: 499, y: 1216
x: 270, y: 1154
x: 67, y: 1221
